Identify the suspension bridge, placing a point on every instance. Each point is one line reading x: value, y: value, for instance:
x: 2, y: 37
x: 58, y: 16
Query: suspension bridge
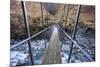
x: 52, y: 54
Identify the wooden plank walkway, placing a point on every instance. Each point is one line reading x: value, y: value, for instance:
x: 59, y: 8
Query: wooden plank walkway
x: 52, y: 55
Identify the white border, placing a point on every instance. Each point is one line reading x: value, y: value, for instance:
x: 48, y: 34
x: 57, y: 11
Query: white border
x: 84, y: 2
x: 5, y: 32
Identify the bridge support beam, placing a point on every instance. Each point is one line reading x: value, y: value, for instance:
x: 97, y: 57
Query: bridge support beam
x: 67, y: 15
x: 27, y: 29
x: 74, y: 32
x: 42, y: 13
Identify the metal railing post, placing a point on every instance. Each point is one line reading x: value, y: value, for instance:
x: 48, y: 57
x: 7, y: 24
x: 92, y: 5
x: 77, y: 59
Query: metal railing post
x: 64, y: 12
x: 42, y: 13
x: 47, y: 18
x: 67, y: 15
x: 27, y: 29
x: 45, y: 40
x: 74, y: 32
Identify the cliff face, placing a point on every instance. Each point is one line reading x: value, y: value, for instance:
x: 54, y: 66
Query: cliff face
x: 55, y: 13
x: 87, y: 16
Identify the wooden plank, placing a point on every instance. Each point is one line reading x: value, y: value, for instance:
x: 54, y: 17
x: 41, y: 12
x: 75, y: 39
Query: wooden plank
x: 52, y: 55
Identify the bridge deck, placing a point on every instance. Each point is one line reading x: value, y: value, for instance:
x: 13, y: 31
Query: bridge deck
x: 52, y: 55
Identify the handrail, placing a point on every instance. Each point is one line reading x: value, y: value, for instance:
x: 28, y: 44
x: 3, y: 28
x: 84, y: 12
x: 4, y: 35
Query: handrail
x: 87, y: 55
x: 29, y: 38
x: 74, y: 30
